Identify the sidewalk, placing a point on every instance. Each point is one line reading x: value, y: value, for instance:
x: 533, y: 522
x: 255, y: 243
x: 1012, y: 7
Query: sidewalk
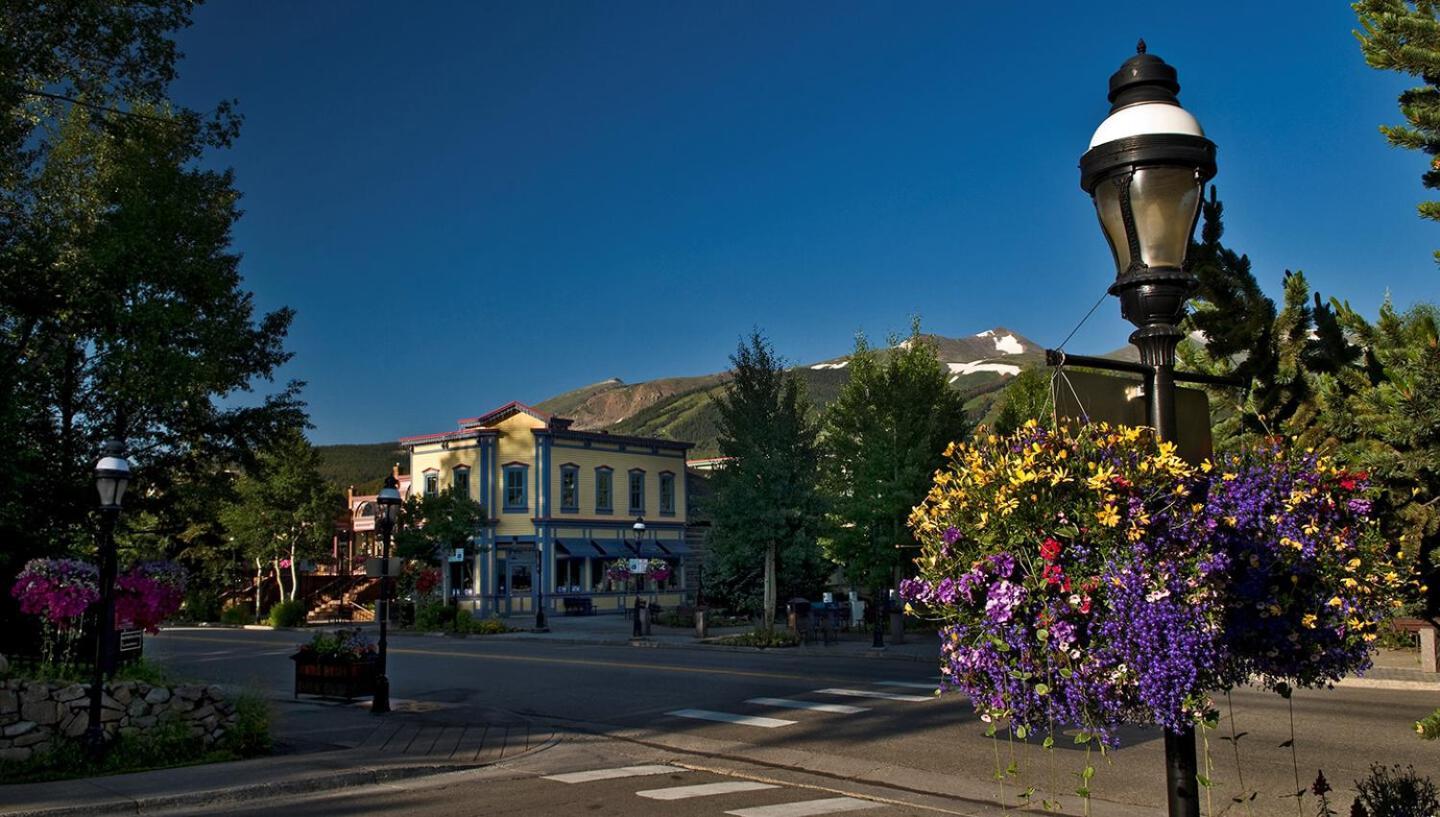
x: 320, y: 746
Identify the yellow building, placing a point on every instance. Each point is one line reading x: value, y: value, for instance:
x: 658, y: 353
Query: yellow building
x: 561, y: 507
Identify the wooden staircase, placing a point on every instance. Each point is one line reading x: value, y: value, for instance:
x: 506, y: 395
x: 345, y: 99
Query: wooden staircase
x: 341, y: 600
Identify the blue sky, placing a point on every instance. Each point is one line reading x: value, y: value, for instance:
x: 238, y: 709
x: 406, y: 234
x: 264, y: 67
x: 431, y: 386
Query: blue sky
x: 469, y: 203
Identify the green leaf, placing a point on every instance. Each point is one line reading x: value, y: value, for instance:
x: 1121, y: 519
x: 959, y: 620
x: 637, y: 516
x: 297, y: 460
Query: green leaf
x: 1066, y: 672
x: 1204, y: 781
x: 990, y: 731
x: 1013, y: 769
x: 1082, y: 738
x: 1042, y: 689
x: 1021, y: 732
x: 1088, y: 773
x: 1083, y: 791
x: 1049, y: 742
x: 1043, y: 635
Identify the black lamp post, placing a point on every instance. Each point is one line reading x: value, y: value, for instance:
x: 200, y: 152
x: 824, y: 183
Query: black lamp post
x: 1146, y: 170
x: 112, y: 476
x: 639, y: 527
x: 389, y: 501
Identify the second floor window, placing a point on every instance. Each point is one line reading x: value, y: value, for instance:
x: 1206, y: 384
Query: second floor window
x: 461, y: 485
x: 637, y: 492
x: 604, y: 490
x: 569, y: 488
x: 432, y: 483
x: 667, y: 493
x: 515, y: 499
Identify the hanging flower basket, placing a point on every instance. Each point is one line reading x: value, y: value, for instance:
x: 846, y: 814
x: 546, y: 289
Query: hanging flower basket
x: 1091, y: 578
x: 618, y: 571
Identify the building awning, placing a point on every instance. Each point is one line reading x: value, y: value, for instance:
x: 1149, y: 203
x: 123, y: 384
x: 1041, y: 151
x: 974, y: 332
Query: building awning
x: 608, y: 549
x: 560, y: 549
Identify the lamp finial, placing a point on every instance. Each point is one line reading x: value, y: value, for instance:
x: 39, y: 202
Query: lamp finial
x: 1140, y: 46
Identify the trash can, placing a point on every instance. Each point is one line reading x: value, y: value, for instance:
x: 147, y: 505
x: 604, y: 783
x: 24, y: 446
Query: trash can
x: 701, y: 629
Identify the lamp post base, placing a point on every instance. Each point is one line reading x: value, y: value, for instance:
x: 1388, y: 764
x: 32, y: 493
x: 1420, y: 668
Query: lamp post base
x: 380, y: 703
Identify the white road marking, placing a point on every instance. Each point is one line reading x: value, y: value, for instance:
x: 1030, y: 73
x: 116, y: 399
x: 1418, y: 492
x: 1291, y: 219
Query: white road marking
x: 786, y: 703
x: 884, y: 696
x: 932, y: 685
x: 728, y: 717
x: 806, y: 808
x: 703, y: 790
x: 611, y: 774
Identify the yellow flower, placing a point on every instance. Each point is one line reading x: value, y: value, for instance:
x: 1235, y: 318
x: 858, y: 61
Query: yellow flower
x: 1335, y: 601
x: 1309, y: 620
x: 1108, y: 516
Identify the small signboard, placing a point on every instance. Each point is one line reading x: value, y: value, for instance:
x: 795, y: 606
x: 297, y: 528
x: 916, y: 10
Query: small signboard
x: 372, y: 566
x: 458, y: 555
x: 639, y: 565
x: 1119, y: 399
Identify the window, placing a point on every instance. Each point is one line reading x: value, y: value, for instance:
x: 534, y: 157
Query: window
x: 515, y: 481
x: 461, y: 484
x: 569, y: 488
x: 568, y: 573
x: 637, y: 491
x: 604, y: 490
x: 667, y: 494
x: 432, y: 483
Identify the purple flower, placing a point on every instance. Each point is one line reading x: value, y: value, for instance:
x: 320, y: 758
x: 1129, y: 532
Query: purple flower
x: 951, y: 535
x: 946, y: 591
x: 1002, y: 600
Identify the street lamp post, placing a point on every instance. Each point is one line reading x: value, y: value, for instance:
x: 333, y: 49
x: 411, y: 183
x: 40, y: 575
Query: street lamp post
x: 389, y: 501
x: 112, y: 476
x: 1146, y: 170
x: 637, y: 630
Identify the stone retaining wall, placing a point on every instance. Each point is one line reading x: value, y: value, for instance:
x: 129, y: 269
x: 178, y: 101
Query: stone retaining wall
x: 34, y: 715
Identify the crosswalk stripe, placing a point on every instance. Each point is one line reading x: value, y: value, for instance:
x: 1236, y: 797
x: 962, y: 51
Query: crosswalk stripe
x: 611, y: 774
x: 884, y: 696
x: 806, y: 808
x: 786, y: 703
x: 728, y: 717
x: 931, y: 685
x: 703, y: 790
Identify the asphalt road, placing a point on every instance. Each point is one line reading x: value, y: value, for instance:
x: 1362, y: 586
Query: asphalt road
x: 637, y: 690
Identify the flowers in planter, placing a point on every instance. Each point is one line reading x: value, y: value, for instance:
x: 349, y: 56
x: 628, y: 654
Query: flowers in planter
x: 658, y: 569
x: 341, y: 645
x: 1091, y: 578
x: 149, y: 593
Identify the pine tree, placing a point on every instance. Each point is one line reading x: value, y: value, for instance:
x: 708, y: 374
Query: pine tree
x: 1397, y: 35
x: 765, y: 509
x: 885, y: 436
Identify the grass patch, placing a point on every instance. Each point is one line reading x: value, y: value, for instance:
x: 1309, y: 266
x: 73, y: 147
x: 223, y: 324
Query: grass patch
x: 761, y: 638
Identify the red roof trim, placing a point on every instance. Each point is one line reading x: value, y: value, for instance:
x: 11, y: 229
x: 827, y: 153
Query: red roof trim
x: 512, y: 406
x: 462, y: 434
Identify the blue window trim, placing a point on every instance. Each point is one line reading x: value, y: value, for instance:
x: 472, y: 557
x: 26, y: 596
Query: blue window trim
x: 610, y: 482
x: 524, y: 504
x: 630, y: 491
x: 667, y: 476
x: 570, y: 469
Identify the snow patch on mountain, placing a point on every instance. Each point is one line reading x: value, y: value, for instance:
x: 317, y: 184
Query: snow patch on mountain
x: 975, y: 366
x: 842, y: 364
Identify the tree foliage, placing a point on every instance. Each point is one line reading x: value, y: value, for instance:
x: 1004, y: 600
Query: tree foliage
x: 1404, y: 36
x: 765, y: 509
x: 121, y: 310
x: 1027, y: 397
x: 884, y: 437
x: 1319, y: 371
x: 283, y: 511
x: 433, y: 525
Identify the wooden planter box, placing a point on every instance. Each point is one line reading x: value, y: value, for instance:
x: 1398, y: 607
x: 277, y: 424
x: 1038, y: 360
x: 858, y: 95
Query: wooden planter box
x: 332, y: 678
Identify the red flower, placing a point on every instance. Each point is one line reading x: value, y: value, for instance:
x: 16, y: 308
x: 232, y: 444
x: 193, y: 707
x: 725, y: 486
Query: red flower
x: 1050, y: 549
x: 1084, y: 605
x: 1053, y: 574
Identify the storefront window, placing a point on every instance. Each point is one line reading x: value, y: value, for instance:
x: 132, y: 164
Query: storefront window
x: 569, y: 575
x: 519, y: 579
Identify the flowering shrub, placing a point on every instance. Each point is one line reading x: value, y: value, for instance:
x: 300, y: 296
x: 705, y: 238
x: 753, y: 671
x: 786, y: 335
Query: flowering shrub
x: 341, y: 645
x: 1091, y: 578
x: 149, y: 593
x: 59, y: 590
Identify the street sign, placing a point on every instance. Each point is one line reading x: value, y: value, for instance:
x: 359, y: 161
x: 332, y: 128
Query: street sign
x: 1120, y: 400
x: 639, y: 565
x: 372, y: 566
x: 458, y: 555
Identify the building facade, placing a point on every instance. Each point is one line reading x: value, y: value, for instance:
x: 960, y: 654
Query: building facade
x: 560, y: 508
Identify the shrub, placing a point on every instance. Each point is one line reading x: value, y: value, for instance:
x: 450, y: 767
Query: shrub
x: 144, y: 671
x: 434, y: 615
x: 1429, y: 726
x: 1394, y: 792
x: 761, y: 638
x: 202, y: 604
x: 250, y: 735
x: 237, y: 615
x: 467, y: 623
x: 288, y: 614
